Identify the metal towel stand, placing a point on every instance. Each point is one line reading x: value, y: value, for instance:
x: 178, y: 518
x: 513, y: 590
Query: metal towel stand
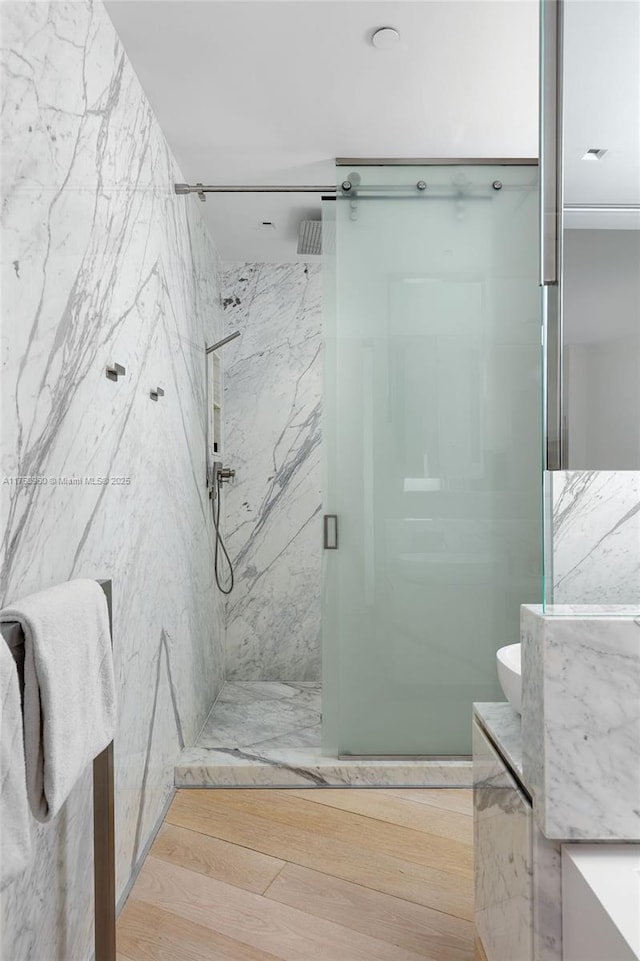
x: 104, y: 862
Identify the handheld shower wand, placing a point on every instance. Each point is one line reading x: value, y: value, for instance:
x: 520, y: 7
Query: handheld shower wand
x: 221, y: 475
x: 217, y: 475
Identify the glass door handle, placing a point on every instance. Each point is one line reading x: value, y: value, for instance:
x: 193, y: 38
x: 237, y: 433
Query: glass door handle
x: 330, y: 532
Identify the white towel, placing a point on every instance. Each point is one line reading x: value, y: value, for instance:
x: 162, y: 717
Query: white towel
x: 15, y: 832
x: 69, y: 687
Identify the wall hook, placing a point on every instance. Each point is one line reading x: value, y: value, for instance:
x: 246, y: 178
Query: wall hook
x: 154, y: 394
x: 114, y: 371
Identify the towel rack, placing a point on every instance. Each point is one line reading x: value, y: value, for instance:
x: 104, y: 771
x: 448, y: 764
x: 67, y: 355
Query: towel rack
x: 104, y: 863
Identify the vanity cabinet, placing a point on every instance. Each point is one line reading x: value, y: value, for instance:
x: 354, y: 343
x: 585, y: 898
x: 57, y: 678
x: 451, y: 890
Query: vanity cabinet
x: 518, y: 879
x: 503, y: 823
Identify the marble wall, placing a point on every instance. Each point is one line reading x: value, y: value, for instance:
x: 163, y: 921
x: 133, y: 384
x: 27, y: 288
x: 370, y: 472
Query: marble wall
x: 595, y: 536
x: 102, y: 264
x: 272, y: 438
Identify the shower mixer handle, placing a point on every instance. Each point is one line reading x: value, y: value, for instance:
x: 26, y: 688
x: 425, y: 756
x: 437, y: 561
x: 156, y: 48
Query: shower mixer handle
x: 225, y: 474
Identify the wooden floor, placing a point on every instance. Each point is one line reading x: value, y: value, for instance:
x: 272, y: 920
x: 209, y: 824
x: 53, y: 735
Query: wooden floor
x: 319, y: 875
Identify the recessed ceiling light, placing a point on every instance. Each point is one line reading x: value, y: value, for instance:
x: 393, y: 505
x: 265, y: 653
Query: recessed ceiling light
x: 595, y: 153
x: 385, y: 38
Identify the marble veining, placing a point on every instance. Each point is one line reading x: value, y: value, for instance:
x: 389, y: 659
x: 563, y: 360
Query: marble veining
x: 256, y: 715
x: 596, y: 537
x: 268, y: 733
x: 102, y: 263
x: 581, y: 724
x: 533, y: 744
x: 272, y: 438
x: 503, y: 857
x: 547, y: 897
x: 503, y: 725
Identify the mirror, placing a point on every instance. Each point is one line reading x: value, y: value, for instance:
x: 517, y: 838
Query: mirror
x: 601, y: 235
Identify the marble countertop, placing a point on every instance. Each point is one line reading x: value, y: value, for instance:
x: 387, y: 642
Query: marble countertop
x: 502, y: 723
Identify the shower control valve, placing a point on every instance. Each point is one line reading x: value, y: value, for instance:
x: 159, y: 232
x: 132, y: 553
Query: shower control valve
x: 225, y: 474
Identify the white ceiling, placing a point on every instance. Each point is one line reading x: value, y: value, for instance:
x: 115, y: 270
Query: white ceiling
x: 272, y: 91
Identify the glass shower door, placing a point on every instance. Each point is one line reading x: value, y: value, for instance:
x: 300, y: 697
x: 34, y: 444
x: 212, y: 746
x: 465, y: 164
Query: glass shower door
x: 432, y: 434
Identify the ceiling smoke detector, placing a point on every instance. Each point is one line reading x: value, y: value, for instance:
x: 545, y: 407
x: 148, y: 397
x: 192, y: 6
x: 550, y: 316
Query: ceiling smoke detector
x: 385, y: 38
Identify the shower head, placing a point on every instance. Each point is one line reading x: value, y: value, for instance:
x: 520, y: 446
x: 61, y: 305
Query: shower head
x: 225, y: 340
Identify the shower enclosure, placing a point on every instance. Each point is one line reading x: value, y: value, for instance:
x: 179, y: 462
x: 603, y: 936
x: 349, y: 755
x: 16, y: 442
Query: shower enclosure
x: 432, y: 425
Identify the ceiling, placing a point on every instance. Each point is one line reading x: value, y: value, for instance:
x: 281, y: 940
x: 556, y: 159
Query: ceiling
x: 601, y: 97
x: 272, y: 91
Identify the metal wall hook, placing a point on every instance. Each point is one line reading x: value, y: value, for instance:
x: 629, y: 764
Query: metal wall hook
x: 154, y: 394
x: 114, y: 371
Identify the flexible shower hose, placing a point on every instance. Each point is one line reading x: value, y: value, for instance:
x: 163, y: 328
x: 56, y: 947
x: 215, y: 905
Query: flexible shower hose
x: 215, y: 510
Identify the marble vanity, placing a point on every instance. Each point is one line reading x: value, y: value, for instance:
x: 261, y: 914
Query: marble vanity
x: 518, y: 877
x: 564, y: 774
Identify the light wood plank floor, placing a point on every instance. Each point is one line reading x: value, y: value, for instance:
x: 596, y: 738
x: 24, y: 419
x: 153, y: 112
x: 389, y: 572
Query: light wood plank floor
x: 319, y: 875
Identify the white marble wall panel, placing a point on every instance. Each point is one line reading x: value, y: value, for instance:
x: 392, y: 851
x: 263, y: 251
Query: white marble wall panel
x: 272, y: 438
x: 581, y: 723
x: 596, y: 537
x: 102, y: 264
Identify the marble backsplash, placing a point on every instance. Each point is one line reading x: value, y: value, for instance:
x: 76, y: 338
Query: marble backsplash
x: 595, y: 536
x: 272, y: 438
x: 103, y: 264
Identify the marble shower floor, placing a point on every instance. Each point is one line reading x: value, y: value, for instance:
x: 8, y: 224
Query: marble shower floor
x: 268, y: 733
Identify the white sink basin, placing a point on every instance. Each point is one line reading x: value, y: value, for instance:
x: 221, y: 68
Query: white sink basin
x: 509, y: 663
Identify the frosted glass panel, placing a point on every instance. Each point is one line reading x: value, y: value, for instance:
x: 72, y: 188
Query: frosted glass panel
x: 432, y: 426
